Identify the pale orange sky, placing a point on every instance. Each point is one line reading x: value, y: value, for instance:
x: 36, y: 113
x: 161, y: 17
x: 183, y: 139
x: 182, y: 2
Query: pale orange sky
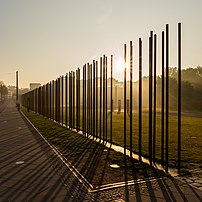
x: 45, y: 39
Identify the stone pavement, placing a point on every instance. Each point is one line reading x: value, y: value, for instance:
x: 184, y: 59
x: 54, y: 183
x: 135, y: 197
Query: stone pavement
x: 31, y: 171
x: 195, y: 179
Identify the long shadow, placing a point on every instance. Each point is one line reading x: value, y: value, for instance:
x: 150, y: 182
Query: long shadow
x: 148, y: 184
x: 181, y: 192
x: 21, y: 149
x: 94, y: 162
x: 90, y: 168
x: 16, y: 171
x: 27, y: 181
x: 34, y: 177
x: 136, y: 186
x: 19, y: 157
x: 97, y: 194
x: 126, y: 180
x: 84, y: 140
x: 77, y: 161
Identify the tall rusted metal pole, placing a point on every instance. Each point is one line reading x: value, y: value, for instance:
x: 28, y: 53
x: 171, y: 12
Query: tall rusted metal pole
x: 59, y: 99
x: 96, y: 99
x: 87, y: 99
x: 70, y: 100
x: 56, y: 86
x: 66, y: 97
x: 131, y: 98
x: 140, y: 98
x: 79, y: 99
x: 162, y: 103
x: 106, y: 99
x: 88, y: 96
x: 150, y: 95
x: 17, y: 97
x: 100, y: 97
x: 154, y: 113
x: 53, y: 95
x: 104, y: 83
x: 179, y: 97
x: 167, y: 93
x: 91, y: 99
x: 111, y: 97
x: 50, y: 100
x: 73, y: 98
x: 83, y: 98
x: 62, y: 97
x: 125, y: 100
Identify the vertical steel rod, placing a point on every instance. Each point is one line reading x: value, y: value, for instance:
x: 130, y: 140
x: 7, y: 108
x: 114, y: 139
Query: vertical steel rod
x: 55, y: 101
x: 66, y: 100
x: 73, y: 98
x: 59, y: 98
x: 85, y: 99
x: 53, y: 111
x: 131, y: 96
x: 50, y: 110
x: 83, y: 94
x: 94, y: 96
x: 100, y: 97
x: 154, y: 121
x: 167, y: 93
x: 179, y: 97
x: 125, y: 100
x: 70, y: 100
x: 103, y: 131
x: 17, y: 99
x: 88, y: 114
x: 62, y: 98
x: 106, y: 98
x: 150, y: 96
x: 162, y: 103
x: 111, y: 97
x: 78, y: 99
x: 91, y: 99
x: 140, y: 98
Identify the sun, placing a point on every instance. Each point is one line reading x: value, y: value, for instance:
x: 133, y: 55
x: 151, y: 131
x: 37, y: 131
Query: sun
x: 120, y: 65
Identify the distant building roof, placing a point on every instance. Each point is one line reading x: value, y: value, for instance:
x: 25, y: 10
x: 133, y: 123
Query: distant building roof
x: 34, y: 85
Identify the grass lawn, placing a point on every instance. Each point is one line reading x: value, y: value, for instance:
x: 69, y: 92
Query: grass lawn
x: 191, y: 143
x: 191, y: 133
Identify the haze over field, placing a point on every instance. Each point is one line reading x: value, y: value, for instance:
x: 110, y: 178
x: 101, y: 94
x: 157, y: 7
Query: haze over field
x: 45, y: 39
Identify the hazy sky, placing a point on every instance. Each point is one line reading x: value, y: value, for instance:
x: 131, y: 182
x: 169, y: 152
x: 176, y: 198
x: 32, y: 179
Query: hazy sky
x: 44, y: 39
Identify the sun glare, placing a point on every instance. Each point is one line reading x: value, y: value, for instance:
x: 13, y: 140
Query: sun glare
x: 120, y: 65
x: 119, y: 68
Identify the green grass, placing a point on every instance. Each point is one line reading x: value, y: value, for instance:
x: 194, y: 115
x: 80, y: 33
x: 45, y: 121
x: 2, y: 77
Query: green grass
x: 191, y: 144
x: 191, y: 138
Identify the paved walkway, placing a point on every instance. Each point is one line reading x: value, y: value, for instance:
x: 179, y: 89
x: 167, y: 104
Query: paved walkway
x: 31, y: 171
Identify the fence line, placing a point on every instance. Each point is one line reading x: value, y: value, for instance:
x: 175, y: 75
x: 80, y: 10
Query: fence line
x: 89, y: 106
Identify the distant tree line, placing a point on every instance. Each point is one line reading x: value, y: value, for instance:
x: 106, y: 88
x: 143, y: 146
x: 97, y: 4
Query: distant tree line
x: 3, y: 91
x: 191, y: 89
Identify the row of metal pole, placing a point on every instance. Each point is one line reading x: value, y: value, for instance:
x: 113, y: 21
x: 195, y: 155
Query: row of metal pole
x: 61, y: 99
